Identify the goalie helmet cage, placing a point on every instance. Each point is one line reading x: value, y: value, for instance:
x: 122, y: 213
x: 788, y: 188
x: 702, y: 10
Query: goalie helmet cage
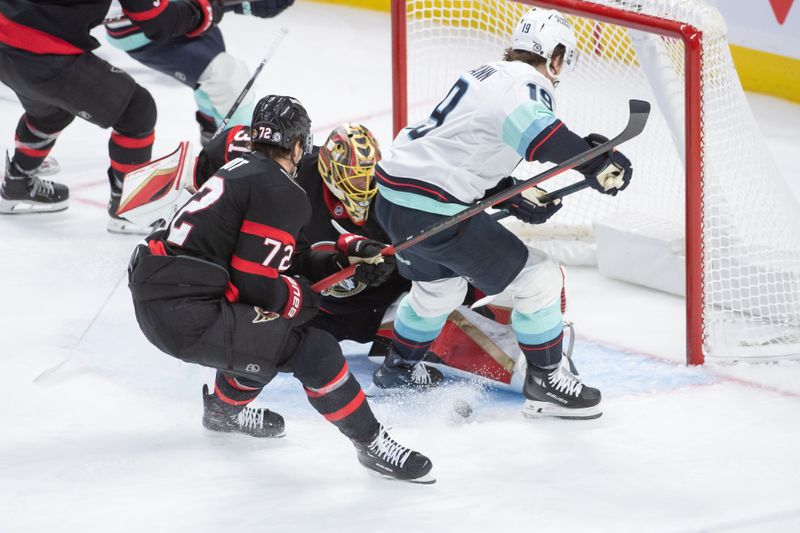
x: 702, y: 169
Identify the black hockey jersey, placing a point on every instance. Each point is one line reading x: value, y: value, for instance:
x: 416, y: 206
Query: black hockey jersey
x: 247, y: 218
x: 63, y: 26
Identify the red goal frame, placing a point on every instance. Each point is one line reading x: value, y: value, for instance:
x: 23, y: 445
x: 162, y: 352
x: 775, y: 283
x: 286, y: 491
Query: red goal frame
x: 693, y: 58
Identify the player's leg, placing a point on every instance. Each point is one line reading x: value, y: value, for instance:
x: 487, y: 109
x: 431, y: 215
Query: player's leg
x: 438, y: 267
x: 315, y: 359
x: 202, y: 64
x: 129, y: 146
x: 22, y: 190
x: 551, y: 387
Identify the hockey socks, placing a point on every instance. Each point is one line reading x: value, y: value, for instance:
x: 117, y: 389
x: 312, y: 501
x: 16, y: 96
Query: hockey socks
x: 340, y: 399
x: 414, y: 334
x: 33, y: 140
x: 540, y: 335
x: 236, y: 391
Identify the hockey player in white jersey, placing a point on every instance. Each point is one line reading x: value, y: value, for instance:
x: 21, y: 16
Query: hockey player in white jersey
x: 494, y: 115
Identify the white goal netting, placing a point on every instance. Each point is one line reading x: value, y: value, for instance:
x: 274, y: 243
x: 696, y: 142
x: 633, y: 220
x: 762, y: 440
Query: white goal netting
x: 750, y: 220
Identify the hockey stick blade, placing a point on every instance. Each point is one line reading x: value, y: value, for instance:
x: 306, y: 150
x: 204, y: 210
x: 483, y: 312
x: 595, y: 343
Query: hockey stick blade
x: 639, y: 111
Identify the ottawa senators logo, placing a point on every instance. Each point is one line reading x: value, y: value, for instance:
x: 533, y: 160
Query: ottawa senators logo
x: 262, y: 315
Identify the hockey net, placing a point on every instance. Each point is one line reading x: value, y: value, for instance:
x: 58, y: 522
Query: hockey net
x: 701, y: 163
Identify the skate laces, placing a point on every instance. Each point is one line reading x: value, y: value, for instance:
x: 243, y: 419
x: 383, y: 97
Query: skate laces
x: 388, y: 449
x: 562, y: 380
x: 250, y: 417
x: 45, y: 186
x: 420, y: 374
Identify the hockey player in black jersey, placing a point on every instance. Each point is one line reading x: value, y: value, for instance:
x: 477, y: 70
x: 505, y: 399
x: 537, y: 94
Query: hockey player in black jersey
x: 228, y: 285
x: 46, y: 59
x: 339, y: 180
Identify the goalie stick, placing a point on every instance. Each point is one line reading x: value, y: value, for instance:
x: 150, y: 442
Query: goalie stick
x: 639, y: 111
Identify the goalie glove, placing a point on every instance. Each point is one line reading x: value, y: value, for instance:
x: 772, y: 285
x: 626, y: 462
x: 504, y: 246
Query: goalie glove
x: 527, y: 206
x: 373, y: 268
x: 262, y: 8
x: 614, y: 171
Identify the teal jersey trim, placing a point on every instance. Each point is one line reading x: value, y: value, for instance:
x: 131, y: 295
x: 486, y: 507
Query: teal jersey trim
x: 539, y: 327
x: 524, y: 124
x: 418, y: 202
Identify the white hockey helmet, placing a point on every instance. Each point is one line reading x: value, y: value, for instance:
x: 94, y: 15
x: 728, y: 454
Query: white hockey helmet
x: 540, y: 30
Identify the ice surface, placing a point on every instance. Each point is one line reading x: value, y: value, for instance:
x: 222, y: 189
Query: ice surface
x: 113, y: 441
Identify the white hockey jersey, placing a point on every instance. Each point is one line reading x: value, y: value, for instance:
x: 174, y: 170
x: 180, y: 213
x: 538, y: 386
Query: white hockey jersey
x: 492, y: 117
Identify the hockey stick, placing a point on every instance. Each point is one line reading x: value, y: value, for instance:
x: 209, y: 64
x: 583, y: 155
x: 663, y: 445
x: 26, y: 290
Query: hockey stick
x: 639, y: 112
x: 53, y: 369
x: 121, y: 17
x: 281, y: 34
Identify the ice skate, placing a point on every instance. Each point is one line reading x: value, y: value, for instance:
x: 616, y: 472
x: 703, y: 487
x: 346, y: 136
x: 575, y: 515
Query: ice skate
x: 256, y: 422
x: 399, y: 373
x: 389, y: 458
x: 27, y: 193
x: 559, y: 393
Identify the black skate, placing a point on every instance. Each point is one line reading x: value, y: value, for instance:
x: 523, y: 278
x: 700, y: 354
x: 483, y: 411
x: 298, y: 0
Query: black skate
x: 389, y: 458
x: 397, y: 373
x: 27, y: 193
x: 559, y: 393
x: 256, y: 422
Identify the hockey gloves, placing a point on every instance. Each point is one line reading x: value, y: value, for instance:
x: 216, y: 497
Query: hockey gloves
x: 527, y: 207
x: 208, y: 14
x: 373, y: 268
x: 614, y: 171
x: 262, y: 8
x: 302, y: 303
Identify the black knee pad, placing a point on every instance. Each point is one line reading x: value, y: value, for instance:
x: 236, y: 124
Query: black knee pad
x: 139, y: 118
x: 317, y: 358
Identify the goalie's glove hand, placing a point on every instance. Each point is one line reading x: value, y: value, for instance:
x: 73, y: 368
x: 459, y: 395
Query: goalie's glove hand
x: 302, y: 303
x: 262, y: 8
x: 373, y: 268
x: 614, y: 171
x: 527, y: 206
x: 208, y: 13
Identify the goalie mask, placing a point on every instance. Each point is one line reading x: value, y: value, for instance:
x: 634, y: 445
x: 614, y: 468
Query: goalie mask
x: 540, y: 30
x: 347, y: 162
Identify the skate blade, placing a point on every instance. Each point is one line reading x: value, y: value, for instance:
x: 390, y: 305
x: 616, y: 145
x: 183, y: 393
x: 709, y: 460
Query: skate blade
x: 22, y: 207
x: 533, y: 409
x: 427, y: 479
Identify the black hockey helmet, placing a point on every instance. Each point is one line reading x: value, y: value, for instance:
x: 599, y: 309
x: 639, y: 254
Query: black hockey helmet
x: 279, y: 121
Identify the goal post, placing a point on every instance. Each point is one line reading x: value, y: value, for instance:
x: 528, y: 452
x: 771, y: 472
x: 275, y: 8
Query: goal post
x: 741, y: 304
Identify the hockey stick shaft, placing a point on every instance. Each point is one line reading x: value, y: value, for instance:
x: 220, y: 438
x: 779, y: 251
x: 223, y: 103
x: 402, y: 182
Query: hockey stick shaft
x: 274, y: 46
x: 121, y: 17
x: 549, y: 197
x: 639, y: 111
